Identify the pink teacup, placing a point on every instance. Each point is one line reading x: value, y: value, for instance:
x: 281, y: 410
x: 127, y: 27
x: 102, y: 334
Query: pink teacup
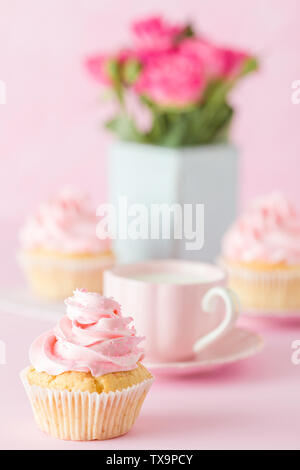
x: 180, y: 306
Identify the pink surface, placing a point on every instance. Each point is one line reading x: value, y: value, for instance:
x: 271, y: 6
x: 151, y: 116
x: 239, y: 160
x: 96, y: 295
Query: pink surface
x: 253, y: 404
x: 50, y: 133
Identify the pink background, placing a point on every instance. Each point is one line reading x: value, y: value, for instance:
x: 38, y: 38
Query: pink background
x: 50, y: 130
x: 50, y: 135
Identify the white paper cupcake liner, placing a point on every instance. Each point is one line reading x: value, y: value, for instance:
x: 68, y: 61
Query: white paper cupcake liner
x: 265, y: 292
x: 55, y: 278
x: 84, y: 416
x: 263, y: 276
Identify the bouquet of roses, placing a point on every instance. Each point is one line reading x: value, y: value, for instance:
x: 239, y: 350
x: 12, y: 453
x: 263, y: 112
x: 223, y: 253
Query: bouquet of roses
x: 171, y: 86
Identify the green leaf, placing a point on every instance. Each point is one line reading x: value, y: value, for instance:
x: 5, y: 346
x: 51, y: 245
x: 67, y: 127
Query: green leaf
x: 125, y: 128
x: 176, y: 130
x: 130, y: 71
x: 250, y: 65
x: 187, y: 32
x: 114, y: 72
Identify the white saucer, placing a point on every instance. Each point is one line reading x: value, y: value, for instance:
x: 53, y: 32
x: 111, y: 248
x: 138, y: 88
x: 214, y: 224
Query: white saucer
x: 236, y: 345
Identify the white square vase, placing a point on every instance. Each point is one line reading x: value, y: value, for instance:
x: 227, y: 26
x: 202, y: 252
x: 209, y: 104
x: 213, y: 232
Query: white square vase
x: 149, y: 174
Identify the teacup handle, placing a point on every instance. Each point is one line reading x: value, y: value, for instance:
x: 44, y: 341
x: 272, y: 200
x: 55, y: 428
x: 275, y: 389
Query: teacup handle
x: 231, y: 315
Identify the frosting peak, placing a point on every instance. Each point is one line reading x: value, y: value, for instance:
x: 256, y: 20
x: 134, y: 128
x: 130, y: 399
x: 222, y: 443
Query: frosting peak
x: 89, y: 307
x: 269, y: 231
x: 65, y: 223
x: 93, y: 337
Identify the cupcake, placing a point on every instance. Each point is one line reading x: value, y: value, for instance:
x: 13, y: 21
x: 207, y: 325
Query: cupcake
x: 261, y: 252
x: 60, y: 249
x: 86, y: 380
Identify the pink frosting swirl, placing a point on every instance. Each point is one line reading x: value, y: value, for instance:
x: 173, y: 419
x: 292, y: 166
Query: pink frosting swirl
x: 66, y: 224
x: 268, y: 232
x: 93, y: 337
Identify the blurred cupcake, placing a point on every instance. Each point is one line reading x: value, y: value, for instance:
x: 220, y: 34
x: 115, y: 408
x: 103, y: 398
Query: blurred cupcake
x: 60, y: 249
x: 86, y: 380
x: 261, y: 252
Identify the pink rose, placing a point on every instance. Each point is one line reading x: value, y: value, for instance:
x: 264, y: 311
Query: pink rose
x: 98, y: 68
x: 172, y: 79
x: 104, y: 68
x: 232, y: 62
x: 217, y: 62
x: 206, y: 52
x: 155, y: 34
